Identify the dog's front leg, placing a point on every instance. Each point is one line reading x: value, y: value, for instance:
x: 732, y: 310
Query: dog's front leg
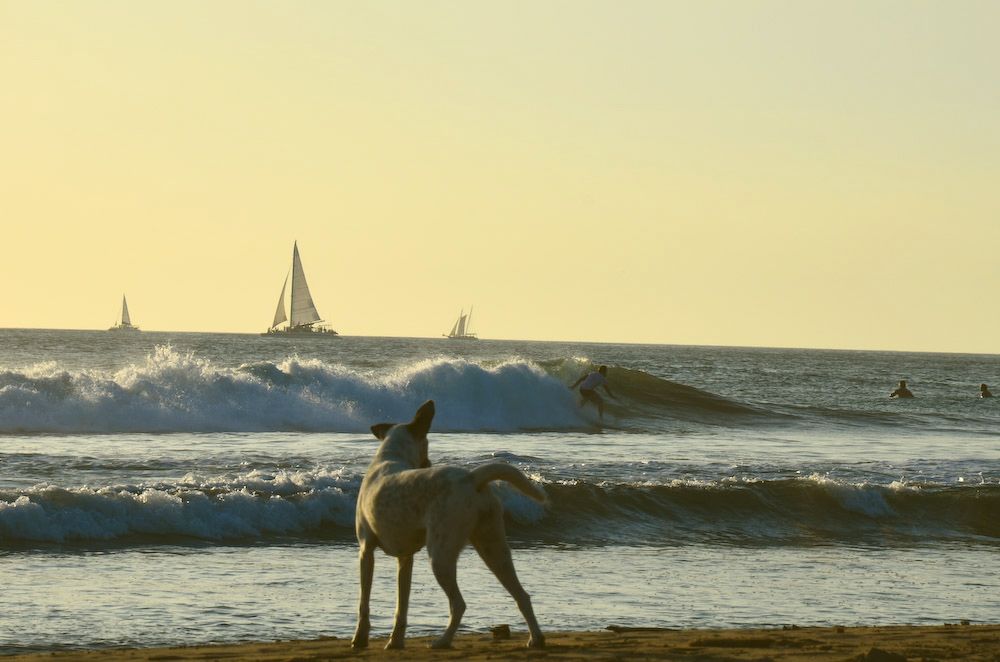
x: 404, y: 575
x: 367, y: 564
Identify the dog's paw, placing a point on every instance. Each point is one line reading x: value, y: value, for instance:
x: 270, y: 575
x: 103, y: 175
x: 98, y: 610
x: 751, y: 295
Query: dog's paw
x: 360, y: 639
x: 441, y: 644
x: 536, y: 642
x: 395, y: 644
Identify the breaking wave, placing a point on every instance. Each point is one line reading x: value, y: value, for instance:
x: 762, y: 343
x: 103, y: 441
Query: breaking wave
x: 797, y: 511
x: 319, y: 504
x: 174, y: 392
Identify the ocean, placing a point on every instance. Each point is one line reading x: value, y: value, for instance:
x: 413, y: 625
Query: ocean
x: 179, y: 488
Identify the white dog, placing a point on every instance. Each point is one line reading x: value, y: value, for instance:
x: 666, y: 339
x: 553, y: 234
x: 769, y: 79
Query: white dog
x: 404, y: 503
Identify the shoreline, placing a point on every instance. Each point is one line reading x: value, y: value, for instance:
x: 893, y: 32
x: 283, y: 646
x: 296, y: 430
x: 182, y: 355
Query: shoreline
x: 883, y: 643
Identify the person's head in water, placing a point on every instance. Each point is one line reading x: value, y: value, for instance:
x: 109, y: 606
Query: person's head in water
x: 603, y: 370
x: 901, y: 391
x: 984, y: 391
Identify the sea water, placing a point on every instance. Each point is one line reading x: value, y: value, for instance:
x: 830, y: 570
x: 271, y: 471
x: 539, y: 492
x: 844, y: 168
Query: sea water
x: 169, y: 488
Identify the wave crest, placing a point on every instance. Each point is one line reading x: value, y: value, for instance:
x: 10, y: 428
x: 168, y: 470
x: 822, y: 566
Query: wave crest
x: 320, y: 503
x: 173, y: 392
x: 252, y: 506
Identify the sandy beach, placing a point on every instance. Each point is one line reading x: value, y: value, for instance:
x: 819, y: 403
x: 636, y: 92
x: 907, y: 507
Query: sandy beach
x: 887, y: 644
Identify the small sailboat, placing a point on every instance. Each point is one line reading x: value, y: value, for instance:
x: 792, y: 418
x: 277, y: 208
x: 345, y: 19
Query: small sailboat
x: 303, y: 318
x: 126, y: 321
x: 460, y: 331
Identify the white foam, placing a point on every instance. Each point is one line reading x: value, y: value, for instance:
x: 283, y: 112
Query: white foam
x: 174, y: 392
x: 521, y: 508
x: 862, y: 498
x: 251, y: 505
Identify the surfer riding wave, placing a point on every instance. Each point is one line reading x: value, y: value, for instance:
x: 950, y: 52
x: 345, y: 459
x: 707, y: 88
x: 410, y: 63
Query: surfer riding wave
x: 589, y: 383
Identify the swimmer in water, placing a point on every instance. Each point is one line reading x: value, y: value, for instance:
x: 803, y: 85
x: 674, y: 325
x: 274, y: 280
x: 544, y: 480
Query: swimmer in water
x: 901, y: 391
x: 984, y: 391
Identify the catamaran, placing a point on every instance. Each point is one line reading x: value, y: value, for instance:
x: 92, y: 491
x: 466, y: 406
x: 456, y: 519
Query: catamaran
x: 303, y: 318
x: 126, y: 323
x: 460, y: 331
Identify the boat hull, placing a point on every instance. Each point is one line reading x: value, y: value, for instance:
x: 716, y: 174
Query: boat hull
x: 300, y: 333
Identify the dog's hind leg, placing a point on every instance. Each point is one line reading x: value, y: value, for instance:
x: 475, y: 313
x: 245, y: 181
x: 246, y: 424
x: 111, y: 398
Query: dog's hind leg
x: 444, y: 563
x: 404, y: 574
x: 366, y: 559
x: 491, y: 543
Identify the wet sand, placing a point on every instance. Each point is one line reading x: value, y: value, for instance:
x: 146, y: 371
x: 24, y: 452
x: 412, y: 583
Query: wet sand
x: 887, y: 644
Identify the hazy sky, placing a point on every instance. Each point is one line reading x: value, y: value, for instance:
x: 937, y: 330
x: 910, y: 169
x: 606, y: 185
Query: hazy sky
x: 814, y: 174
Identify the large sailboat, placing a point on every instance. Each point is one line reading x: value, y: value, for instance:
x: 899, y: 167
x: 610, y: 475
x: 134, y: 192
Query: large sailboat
x: 126, y: 321
x: 303, y: 318
x: 460, y: 331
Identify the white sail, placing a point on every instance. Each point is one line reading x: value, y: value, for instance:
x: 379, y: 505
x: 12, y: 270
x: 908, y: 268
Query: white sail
x: 279, y: 314
x: 126, y: 320
x: 303, y: 311
x: 463, y: 327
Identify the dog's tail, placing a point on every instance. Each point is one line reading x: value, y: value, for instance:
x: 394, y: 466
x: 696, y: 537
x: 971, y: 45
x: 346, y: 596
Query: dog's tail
x: 505, y: 472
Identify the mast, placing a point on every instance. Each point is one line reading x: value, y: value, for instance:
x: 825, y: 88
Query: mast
x: 126, y: 320
x: 291, y: 295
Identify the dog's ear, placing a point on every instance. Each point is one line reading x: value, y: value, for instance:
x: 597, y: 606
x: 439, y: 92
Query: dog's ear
x: 381, y: 429
x: 421, y: 423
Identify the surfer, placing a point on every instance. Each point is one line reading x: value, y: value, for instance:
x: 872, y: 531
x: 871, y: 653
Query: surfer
x: 984, y: 391
x: 901, y: 391
x: 588, y: 388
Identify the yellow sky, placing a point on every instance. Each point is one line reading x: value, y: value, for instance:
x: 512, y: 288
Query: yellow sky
x: 812, y: 174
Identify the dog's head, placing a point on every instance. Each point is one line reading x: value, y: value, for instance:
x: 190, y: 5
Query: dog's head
x: 409, y: 440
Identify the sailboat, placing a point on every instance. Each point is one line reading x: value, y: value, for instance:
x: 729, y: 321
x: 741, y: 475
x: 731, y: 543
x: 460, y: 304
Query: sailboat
x: 460, y: 331
x: 303, y: 316
x: 126, y: 323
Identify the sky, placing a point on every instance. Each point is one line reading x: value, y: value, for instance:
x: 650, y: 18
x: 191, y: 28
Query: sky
x: 759, y: 173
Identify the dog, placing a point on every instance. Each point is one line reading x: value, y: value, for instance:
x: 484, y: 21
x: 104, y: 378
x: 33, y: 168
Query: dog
x: 404, y: 504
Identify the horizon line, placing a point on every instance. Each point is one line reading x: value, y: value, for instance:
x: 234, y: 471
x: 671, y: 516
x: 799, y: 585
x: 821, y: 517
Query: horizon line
x: 554, y: 341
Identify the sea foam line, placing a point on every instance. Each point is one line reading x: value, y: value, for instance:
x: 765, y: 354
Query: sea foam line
x: 321, y: 502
